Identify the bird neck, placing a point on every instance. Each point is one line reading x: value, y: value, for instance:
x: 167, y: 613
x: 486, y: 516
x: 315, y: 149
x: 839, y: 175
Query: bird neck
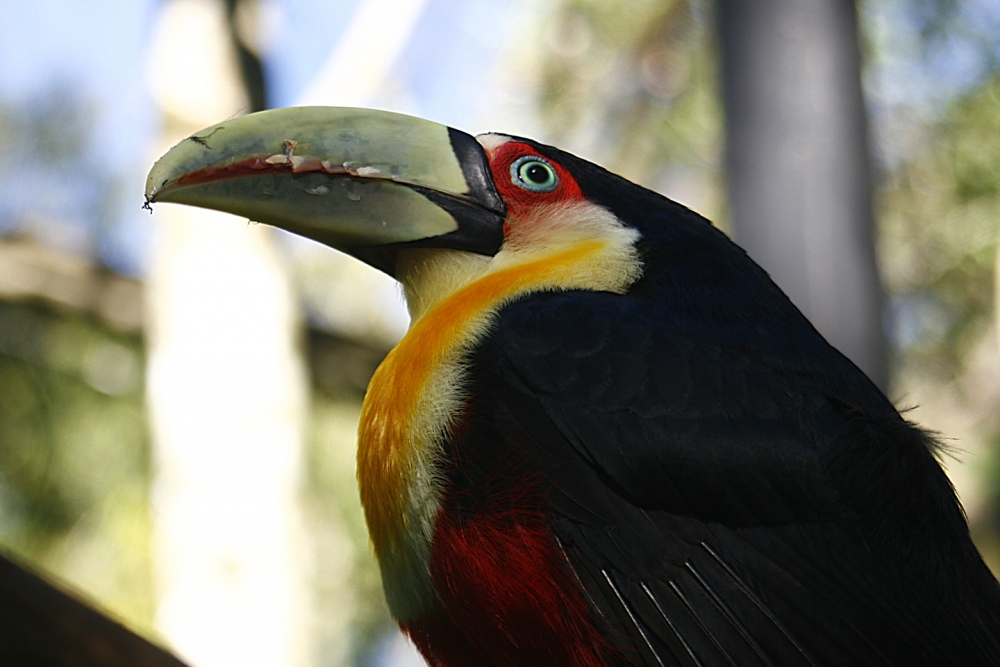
x: 417, y: 394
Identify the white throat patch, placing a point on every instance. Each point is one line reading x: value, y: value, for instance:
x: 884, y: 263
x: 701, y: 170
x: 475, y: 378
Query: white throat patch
x: 492, y: 141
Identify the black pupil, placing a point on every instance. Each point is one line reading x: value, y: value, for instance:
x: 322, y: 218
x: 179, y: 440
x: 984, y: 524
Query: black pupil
x: 536, y: 173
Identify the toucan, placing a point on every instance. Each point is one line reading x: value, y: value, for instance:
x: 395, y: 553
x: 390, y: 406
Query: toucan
x: 607, y: 438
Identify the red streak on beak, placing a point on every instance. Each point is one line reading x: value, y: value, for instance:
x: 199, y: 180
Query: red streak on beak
x: 257, y: 165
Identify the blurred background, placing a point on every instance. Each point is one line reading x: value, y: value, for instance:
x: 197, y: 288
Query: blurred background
x: 179, y: 392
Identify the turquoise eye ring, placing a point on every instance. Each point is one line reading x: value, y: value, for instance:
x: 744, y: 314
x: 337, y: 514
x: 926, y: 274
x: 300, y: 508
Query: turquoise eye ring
x: 534, y: 174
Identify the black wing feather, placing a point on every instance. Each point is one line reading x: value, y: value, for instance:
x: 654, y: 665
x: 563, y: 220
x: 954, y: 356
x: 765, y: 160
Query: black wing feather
x: 723, y: 495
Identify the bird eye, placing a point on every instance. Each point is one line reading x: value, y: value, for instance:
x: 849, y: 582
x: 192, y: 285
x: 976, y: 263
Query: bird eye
x: 534, y: 174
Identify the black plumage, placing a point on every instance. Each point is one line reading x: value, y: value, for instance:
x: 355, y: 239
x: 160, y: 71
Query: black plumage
x: 729, y: 489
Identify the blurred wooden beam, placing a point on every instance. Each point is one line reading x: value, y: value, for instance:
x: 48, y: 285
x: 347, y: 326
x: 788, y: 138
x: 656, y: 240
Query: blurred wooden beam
x: 30, y: 271
x: 45, y: 626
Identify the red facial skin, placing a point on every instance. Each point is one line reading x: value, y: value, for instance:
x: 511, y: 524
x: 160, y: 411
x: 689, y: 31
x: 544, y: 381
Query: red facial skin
x: 520, y: 201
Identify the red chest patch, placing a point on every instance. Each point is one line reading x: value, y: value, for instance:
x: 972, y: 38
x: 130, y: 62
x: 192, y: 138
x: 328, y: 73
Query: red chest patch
x: 508, y: 597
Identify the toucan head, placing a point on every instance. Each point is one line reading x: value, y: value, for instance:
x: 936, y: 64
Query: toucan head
x: 395, y: 191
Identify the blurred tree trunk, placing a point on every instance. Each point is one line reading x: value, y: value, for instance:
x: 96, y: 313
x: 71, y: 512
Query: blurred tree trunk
x: 798, y: 163
x: 227, y: 392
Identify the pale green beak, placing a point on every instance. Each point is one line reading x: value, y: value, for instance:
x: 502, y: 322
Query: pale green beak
x: 365, y: 182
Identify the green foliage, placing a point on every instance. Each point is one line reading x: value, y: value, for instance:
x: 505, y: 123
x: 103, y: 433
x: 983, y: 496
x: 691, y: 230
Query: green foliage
x: 346, y: 578
x: 938, y: 225
x: 637, y: 82
x: 52, y: 128
x: 74, y: 454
